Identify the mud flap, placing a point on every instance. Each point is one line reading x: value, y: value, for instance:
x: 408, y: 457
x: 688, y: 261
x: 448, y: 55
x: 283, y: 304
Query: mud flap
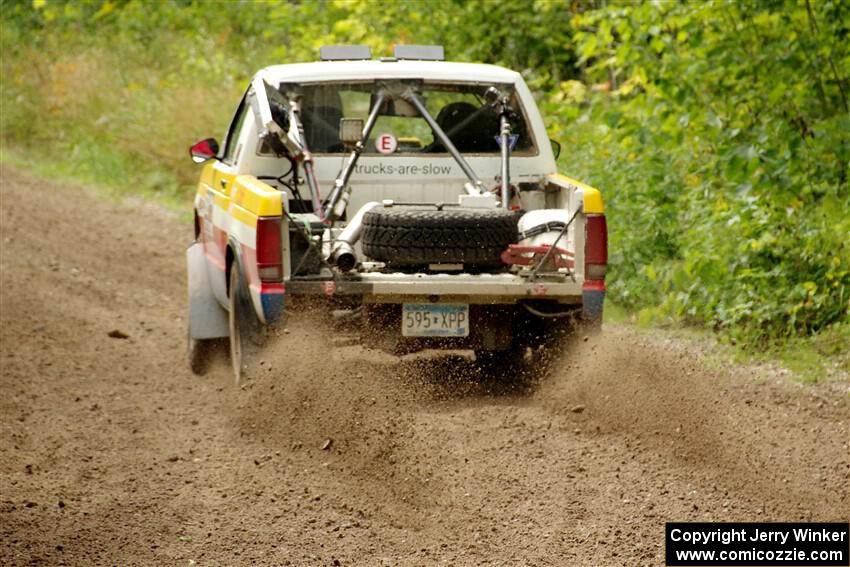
x: 207, y: 319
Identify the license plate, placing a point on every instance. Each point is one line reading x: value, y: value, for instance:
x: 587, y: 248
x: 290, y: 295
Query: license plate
x: 435, y: 320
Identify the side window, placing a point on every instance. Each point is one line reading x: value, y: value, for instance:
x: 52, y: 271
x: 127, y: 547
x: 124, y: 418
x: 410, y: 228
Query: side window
x: 233, y: 133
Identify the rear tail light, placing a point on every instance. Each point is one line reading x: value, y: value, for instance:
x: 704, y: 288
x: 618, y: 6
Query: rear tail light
x: 595, y: 247
x: 269, y: 258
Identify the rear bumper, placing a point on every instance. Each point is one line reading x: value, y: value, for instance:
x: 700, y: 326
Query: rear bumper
x: 271, y: 298
x: 471, y: 288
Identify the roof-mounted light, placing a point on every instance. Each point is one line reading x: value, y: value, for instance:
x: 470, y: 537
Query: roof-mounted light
x: 344, y: 52
x: 420, y: 52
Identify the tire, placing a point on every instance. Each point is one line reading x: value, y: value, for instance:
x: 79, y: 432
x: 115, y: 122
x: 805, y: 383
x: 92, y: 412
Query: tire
x: 550, y: 338
x: 419, y: 235
x: 537, y: 345
x: 502, y: 365
x: 242, y: 322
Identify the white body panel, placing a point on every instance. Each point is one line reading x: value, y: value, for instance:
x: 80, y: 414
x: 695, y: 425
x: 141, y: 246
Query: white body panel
x: 207, y: 319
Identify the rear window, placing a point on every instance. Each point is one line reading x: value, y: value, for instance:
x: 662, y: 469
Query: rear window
x: 458, y: 108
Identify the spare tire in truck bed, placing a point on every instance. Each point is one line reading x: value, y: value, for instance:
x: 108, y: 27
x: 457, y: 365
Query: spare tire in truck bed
x: 417, y: 235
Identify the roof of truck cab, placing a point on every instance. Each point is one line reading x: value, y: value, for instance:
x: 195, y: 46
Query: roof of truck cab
x: 404, y: 69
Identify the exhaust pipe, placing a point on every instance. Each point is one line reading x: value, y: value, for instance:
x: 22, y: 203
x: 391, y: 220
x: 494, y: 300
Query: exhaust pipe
x: 343, y: 255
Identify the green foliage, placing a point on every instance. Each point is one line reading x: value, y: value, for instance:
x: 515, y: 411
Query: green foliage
x: 718, y: 131
x: 721, y: 133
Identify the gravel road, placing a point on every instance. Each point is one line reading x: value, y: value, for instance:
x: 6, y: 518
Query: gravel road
x: 112, y: 453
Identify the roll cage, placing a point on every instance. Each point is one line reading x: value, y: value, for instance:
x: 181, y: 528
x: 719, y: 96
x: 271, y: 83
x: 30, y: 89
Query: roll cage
x: 278, y: 114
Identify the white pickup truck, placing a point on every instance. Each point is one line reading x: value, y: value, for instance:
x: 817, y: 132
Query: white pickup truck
x: 420, y: 197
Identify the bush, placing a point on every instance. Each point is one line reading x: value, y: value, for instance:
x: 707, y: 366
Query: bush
x: 720, y: 132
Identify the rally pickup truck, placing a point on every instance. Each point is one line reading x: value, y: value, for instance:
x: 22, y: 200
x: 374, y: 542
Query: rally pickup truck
x: 417, y: 197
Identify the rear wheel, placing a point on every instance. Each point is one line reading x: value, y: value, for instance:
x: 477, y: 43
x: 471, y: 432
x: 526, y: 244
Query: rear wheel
x: 242, y: 322
x: 540, y: 336
x: 501, y: 365
x: 236, y: 346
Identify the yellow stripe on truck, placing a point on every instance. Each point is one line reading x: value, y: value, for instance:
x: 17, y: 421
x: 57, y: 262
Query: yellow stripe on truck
x: 245, y: 217
x: 221, y: 201
x: 593, y: 201
x: 256, y: 197
x: 592, y: 197
x: 208, y: 173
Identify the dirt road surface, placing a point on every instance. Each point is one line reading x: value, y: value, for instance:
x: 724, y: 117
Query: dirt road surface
x: 112, y: 453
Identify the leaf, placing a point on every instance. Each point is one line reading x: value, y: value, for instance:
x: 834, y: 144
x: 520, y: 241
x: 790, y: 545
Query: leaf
x: 105, y: 9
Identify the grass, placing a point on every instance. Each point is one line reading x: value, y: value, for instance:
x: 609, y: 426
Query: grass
x: 109, y: 115
x: 614, y: 313
x: 816, y: 358
x: 102, y: 171
x: 824, y: 356
x: 810, y: 358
